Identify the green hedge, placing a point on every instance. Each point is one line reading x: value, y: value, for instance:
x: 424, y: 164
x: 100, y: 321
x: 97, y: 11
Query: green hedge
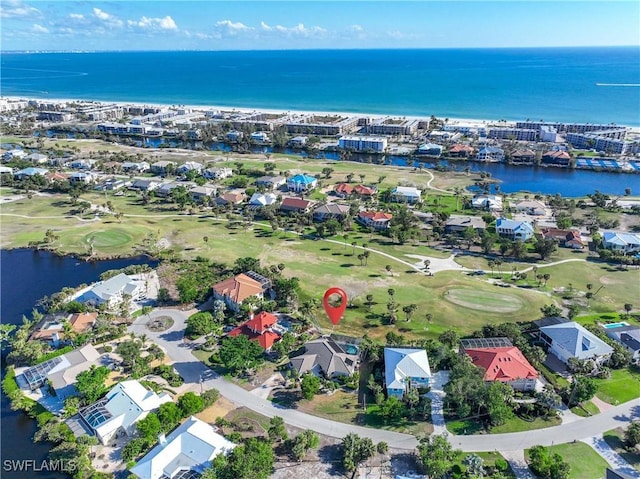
x: 9, y: 384
x: 53, y: 354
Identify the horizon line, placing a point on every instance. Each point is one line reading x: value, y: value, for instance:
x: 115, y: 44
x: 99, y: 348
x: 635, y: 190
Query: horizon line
x: 26, y: 51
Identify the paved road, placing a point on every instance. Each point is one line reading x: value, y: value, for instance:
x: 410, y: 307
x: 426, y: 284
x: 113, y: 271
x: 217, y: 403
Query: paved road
x: 193, y: 371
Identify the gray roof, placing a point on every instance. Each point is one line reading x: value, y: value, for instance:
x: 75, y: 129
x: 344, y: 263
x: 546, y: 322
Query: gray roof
x: 628, y: 336
x: 466, y: 221
x: 327, y: 355
x: 112, y: 286
x: 580, y: 342
x: 540, y: 323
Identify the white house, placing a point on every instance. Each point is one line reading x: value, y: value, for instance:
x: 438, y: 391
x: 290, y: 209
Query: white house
x: 259, y: 137
x: 14, y: 155
x: 139, y: 167
x: 570, y: 340
x: 82, y: 164
x: 120, y: 410
x: 532, y: 207
x: 623, y: 242
x: 189, y: 166
x: 217, y: 173
x: 405, y: 368
x: 514, y: 230
x: 37, y: 158
x: 487, y: 202
x: 406, y: 194
x: 81, y: 177
x: 259, y: 200
x: 629, y: 337
x: 299, y: 183
x: 190, y: 447
x: 113, y: 290
x: 490, y: 153
x: 431, y: 149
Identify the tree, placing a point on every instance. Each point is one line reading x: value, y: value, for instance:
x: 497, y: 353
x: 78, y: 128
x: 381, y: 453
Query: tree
x: 91, y: 383
x: 133, y: 449
x: 199, y: 324
x: 169, y: 415
x: 499, y: 396
x: 632, y: 435
x: 388, y: 268
x: 582, y: 389
x: 628, y: 307
x: 310, y: 385
x: 545, y: 247
x: 240, y: 354
x: 449, y: 337
x: 550, y: 310
x: 355, y: 450
x: 391, y: 409
x: 5, y: 334
x: 149, y: 427
x: 546, y: 465
x: 409, y: 310
x: 436, y: 455
x: 304, y: 442
x: 190, y: 403
x: 277, y: 430
x: 252, y: 460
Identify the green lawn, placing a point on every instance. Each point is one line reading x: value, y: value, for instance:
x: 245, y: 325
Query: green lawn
x: 585, y: 409
x: 622, y: 386
x: 470, y: 426
x: 584, y: 461
x: 615, y: 439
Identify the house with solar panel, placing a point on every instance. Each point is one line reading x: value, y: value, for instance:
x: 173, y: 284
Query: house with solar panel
x: 405, y: 368
x: 184, y: 454
x: 118, y: 412
x: 60, y: 372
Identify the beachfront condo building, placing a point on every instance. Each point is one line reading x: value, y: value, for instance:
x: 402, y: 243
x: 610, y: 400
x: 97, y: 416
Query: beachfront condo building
x: 363, y: 143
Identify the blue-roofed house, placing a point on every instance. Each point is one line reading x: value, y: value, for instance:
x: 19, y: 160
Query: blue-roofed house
x: 490, y: 153
x: 431, y: 149
x: 29, y: 172
x: 623, y: 242
x: 300, y: 183
x: 514, y: 230
x: 405, y: 368
x: 570, y: 340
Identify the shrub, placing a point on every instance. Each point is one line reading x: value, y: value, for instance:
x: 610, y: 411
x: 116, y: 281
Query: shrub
x: 210, y: 396
x: 133, y: 449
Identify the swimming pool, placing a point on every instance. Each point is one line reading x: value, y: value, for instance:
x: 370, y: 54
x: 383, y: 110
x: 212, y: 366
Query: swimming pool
x: 351, y: 349
x: 615, y: 325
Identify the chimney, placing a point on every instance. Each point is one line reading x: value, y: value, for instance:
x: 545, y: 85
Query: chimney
x: 162, y: 440
x: 250, y: 315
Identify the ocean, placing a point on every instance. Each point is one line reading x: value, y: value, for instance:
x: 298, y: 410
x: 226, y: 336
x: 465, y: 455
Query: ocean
x: 590, y: 85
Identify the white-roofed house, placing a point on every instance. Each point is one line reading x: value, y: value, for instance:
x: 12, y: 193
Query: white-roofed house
x: 625, y: 242
x: 127, y: 403
x: 570, y: 340
x: 406, y: 194
x: 405, y: 368
x: 258, y: 200
x: 487, y: 202
x: 190, y: 447
x: 189, y: 166
x: 532, y: 207
x: 112, y: 290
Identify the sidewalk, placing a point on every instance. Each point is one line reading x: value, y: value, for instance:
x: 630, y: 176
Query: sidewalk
x: 615, y: 460
x: 518, y: 464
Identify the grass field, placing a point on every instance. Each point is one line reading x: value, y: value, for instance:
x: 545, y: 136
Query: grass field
x: 584, y: 461
x: 484, y: 301
x: 614, y: 438
x: 515, y: 424
x: 585, y: 409
x: 622, y: 386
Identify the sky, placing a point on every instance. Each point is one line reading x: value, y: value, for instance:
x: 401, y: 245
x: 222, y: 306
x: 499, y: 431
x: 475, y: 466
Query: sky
x: 306, y: 24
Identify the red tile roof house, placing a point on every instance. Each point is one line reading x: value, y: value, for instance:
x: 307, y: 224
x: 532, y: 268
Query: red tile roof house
x: 234, y: 291
x: 343, y: 190
x: 461, y: 151
x: 362, y: 190
x: 566, y: 238
x: 376, y: 219
x: 505, y: 364
x: 295, y: 205
x: 258, y: 328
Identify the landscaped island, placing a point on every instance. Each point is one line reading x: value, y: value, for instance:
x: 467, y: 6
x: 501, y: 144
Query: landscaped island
x: 459, y: 309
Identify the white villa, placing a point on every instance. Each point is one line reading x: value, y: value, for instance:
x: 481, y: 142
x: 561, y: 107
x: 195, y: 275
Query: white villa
x: 113, y: 290
x: 406, y: 194
x: 487, y: 202
x: 405, y: 368
x: 189, y: 448
x: 120, y: 410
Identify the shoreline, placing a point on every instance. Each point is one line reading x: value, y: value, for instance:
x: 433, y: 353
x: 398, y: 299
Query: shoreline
x: 472, y: 122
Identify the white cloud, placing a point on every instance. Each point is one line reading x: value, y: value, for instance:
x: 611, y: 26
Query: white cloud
x: 229, y: 28
x: 39, y: 29
x: 356, y: 28
x: 76, y: 16
x: 16, y: 9
x: 146, y: 23
x: 298, y: 30
x: 108, y: 19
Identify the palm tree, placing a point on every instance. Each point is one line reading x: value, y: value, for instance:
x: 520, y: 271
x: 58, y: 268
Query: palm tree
x: 388, y: 268
x: 369, y: 298
x: 426, y: 263
x: 366, y: 255
x: 391, y: 292
x: 428, y: 318
x: 353, y: 246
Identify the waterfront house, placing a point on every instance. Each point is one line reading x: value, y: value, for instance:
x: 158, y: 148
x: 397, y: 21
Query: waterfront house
x: 184, y: 454
x: 532, y: 207
x: 201, y: 193
x: 233, y: 291
x: 330, y: 211
x: 259, y: 200
x: 298, y: 142
x: 29, y: 172
x: 505, y: 364
x: 234, y: 136
x: 458, y: 224
x: 324, y: 357
x: 523, y: 157
x: 490, y: 154
x: 112, y: 291
x: 82, y: 322
x: 430, y: 149
x: 405, y: 368
x: 461, y: 151
x: 374, y: 219
x: 628, y: 336
x: 59, y: 372
x: 271, y: 182
x: 301, y: 183
x: 189, y: 166
x: 260, y: 137
x: 571, y: 340
x: 566, y: 238
x: 50, y: 329
x: 621, y: 242
x: 119, y: 411
x: 259, y: 328
x: 514, y: 230
x: 161, y: 167
x: 487, y: 202
x: 406, y: 194
x: 144, y: 185
x: 374, y: 144
x: 295, y: 205
x: 556, y: 158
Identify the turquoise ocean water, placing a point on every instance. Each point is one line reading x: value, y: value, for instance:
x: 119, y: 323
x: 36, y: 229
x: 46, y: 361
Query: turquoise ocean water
x: 554, y: 84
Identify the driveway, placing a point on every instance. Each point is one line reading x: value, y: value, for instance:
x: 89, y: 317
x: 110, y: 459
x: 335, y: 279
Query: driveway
x: 193, y: 371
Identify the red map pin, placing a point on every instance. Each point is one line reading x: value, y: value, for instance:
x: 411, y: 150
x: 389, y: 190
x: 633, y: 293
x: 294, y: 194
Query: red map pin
x: 334, y: 312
